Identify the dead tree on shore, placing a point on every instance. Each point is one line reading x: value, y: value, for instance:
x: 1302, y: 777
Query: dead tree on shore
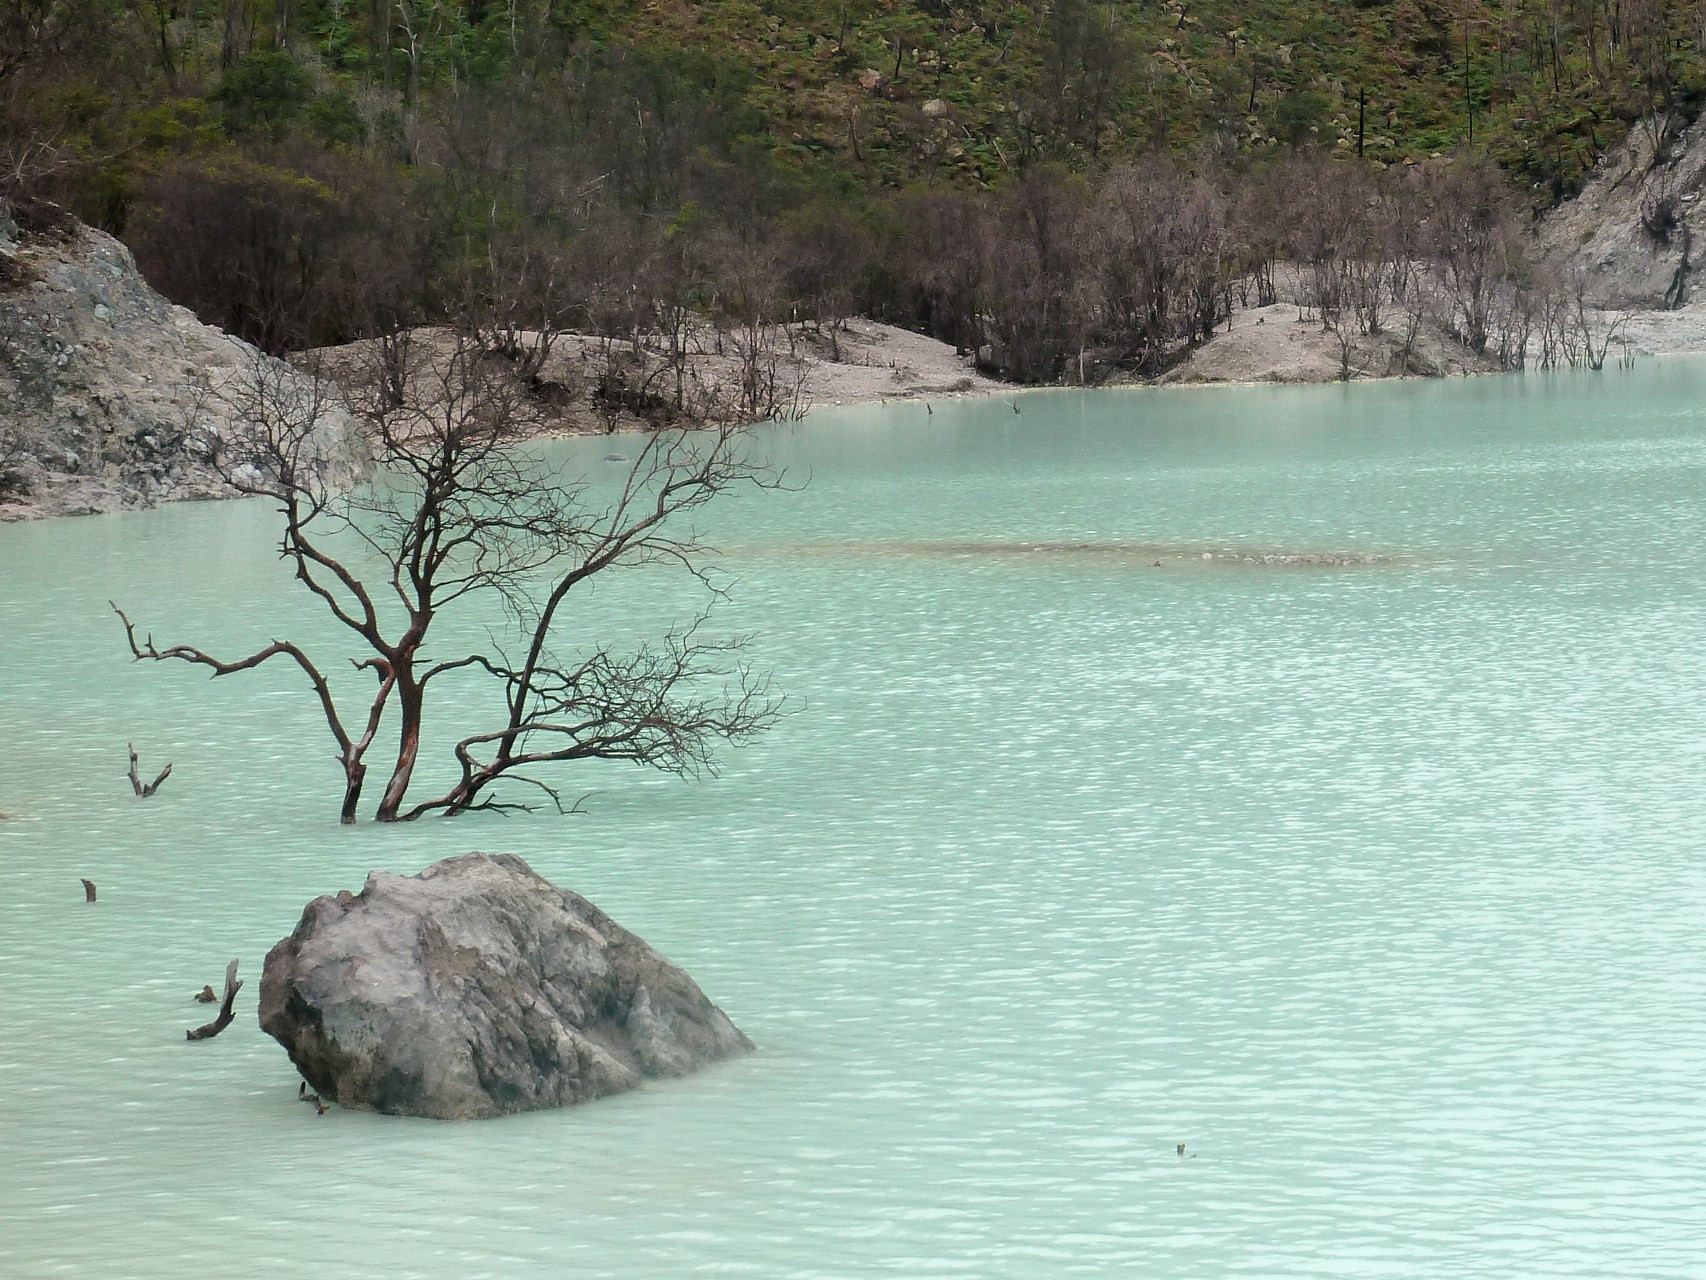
x: 463, y: 513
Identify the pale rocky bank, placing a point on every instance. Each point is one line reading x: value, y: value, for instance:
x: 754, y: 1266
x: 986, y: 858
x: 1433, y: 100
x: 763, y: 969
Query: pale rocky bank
x: 1633, y: 238
x: 110, y: 397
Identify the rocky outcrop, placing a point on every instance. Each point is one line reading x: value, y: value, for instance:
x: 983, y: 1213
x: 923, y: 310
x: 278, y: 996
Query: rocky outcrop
x: 110, y: 396
x: 1637, y: 231
x: 478, y: 988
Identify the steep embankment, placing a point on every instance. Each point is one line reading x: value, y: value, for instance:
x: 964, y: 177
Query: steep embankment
x: 1635, y: 235
x: 110, y: 396
x: 1635, y: 238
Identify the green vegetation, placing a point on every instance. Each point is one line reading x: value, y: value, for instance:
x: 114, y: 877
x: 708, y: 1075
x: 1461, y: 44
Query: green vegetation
x: 308, y: 171
x: 892, y: 91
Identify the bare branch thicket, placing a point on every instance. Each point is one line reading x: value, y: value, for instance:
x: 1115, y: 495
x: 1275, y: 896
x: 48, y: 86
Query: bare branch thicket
x: 1141, y: 277
x: 943, y: 260
x: 1381, y: 269
x: 39, y: 139
x: 35, y: 30
x: 1211, y: 255
x: 462, y: 512
x: 27, y: 160
x: 1587, y: 334
x: 1261, y: 234
x: 518, y: 315
x: 748, y: 320
x: 1515, y: 304
x: 831, y: 256
x: 1475, y: 241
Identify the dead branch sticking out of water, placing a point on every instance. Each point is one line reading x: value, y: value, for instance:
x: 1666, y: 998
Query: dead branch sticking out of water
x: 88, y: 891
x: 232, y: 986
x: 136, y: 783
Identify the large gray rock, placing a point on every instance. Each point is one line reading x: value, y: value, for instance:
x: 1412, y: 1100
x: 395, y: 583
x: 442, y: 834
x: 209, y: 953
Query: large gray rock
x: 479, y: 988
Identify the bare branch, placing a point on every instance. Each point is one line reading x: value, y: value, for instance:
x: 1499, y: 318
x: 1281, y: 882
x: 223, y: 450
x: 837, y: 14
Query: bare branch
x: 665, y: 705
x: 187, y: 653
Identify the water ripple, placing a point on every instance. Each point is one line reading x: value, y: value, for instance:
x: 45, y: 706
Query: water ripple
x: 1382, y: 891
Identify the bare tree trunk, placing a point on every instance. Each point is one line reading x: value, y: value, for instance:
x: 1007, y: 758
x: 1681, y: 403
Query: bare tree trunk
x: 409, y: 701
x: 354, y: 774
x: 226, y: 1009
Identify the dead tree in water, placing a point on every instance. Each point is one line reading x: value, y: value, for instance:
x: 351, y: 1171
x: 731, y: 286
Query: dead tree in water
x: 144, y: 790
x: 233, y: 984
x: 462, y: 512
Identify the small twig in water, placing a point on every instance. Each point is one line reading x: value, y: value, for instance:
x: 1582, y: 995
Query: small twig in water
x: 136, y: 783
x: 88, y: 891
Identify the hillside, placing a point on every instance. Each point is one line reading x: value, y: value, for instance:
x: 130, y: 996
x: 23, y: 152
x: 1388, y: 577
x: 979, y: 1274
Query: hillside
x: 902, y: 91
x: 868, y: 92
x: 1069, y: 191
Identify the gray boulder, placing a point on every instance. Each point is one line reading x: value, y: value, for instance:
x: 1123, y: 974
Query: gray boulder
x: 478, y: 988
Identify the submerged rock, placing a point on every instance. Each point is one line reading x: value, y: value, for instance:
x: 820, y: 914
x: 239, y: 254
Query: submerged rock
x: 479, y: 988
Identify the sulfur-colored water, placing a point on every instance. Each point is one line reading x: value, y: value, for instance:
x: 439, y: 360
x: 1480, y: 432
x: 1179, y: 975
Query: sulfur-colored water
x: 1366, y: 856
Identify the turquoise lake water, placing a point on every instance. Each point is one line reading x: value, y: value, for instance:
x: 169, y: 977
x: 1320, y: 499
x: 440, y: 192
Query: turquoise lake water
x: 1380, y: 883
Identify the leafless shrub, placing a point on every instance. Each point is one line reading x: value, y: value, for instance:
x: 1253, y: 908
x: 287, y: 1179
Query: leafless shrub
x: 463, y: 514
